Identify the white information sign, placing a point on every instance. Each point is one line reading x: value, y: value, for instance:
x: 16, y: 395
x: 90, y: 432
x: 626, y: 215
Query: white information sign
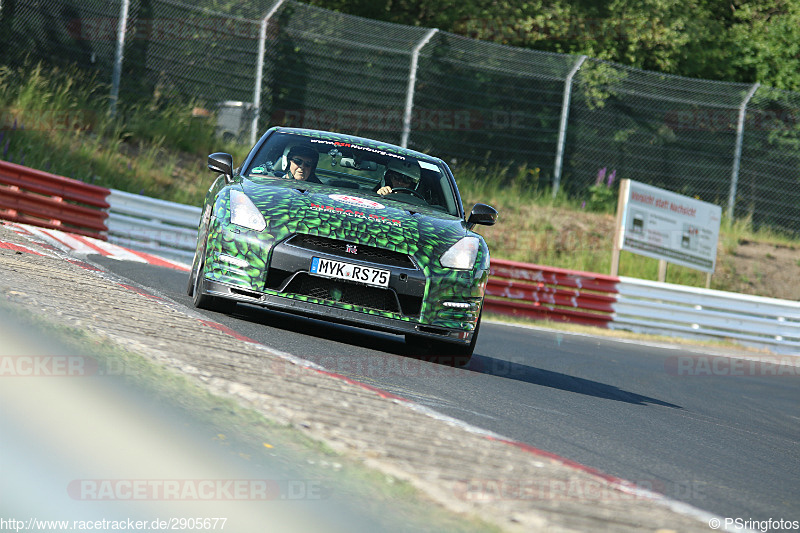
x: 664, y: 225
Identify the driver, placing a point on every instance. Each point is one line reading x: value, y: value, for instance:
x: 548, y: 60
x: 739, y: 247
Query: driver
x: 399, y: 175
x: 302, y: 162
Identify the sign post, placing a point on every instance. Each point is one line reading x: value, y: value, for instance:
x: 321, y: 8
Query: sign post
x: 666, y: 226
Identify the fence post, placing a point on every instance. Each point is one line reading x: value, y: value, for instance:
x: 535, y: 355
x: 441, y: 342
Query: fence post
x: 262, y: 41
x: 562, y: 128
x: 737, y: 156
x: 412, y: 80
x: 117, y: 72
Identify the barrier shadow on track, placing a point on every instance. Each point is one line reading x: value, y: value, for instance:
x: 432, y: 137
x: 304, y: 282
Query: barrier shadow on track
x: 557, y: 380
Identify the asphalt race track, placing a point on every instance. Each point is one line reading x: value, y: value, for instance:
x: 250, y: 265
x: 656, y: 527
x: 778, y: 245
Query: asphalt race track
x: 722, y: 437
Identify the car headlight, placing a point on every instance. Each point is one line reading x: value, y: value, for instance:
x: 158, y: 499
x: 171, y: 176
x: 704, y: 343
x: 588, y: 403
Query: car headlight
x: 462, y: 254
x: 244, y: 213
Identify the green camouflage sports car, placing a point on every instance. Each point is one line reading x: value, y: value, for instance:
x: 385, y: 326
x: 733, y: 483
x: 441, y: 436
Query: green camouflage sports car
x: 349, y: 230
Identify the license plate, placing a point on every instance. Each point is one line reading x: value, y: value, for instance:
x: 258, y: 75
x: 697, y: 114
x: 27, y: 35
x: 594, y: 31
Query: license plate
x: 340, y: 270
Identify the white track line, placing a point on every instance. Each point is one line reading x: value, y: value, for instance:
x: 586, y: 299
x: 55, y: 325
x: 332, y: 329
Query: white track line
x: 80, y: 244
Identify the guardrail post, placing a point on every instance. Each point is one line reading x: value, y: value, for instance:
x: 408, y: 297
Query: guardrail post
x: 262, y: 47
x: 738, y: 153
x: 624, y: 188
x: 117, y: 72
x: 562, y: 128
x: 412, y: 81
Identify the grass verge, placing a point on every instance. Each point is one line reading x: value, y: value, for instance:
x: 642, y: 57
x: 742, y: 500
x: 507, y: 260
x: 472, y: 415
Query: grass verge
x: 58, y: 121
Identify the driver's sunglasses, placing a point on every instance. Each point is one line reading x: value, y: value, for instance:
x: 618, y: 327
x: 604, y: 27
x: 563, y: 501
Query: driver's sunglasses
x: 396, y: 176
x: 301, y: 162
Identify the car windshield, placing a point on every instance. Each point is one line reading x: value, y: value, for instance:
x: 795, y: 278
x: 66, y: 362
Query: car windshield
x: 356, y: 164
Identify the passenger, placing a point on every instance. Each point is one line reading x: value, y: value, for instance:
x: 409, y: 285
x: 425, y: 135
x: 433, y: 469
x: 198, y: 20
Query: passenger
x: 399, y: 175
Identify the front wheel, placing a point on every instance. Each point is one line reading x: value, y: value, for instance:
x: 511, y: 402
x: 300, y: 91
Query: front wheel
x: 443, y: 353
x: 206, y: 301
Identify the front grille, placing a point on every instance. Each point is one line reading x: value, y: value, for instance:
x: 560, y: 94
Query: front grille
x: 276, y: 278
x: 410, y: 304
x: 372, y: 254
x: 349, y: 293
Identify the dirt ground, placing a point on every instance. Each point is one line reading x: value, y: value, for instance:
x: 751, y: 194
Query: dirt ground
x: 763, y: 269
x: 757, y: 268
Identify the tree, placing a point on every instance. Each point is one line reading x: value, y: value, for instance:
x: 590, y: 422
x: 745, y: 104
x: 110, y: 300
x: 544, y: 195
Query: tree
x: 743, y: 40
x: 767, y: 36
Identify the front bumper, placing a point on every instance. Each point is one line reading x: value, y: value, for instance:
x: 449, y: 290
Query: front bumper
x: 332, y: 313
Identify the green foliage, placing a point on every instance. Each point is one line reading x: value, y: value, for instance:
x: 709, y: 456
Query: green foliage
x: 603, y: 195
x: 599, y: 82
x: 490, y: 185
x: 732, y: 232
x: 767, y: 36
x: 743, y: 40
x: 602, y: 199
x: 180, y: 124
x: 503, y: 184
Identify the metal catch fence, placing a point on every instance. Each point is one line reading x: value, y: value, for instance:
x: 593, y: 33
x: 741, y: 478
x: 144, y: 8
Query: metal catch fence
x: 557, y: 121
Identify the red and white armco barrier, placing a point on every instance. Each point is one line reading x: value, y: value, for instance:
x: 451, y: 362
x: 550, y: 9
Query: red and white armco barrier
x: 49, y: 201
x: 546, y: 293
x: 50, y: 240
x: 43, y: 199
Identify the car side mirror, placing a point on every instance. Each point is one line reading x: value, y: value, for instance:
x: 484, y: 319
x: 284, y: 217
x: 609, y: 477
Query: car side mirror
x: 222, y: 163
x: 483, y: 214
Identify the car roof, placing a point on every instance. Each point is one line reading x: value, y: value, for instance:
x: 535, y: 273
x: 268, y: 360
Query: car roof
x: 322, y: 134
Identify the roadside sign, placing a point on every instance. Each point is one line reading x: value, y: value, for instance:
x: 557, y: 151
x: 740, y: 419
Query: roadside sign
x: 667, y: 226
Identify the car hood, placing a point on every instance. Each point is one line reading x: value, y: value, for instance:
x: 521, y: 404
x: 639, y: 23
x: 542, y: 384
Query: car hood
x: 348, y: 215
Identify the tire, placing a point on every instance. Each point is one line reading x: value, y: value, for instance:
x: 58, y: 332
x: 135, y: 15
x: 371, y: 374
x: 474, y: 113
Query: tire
x: 443, y: 353
x: 205, y: 301
x: 198, y: 256
x: 192, y: 276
